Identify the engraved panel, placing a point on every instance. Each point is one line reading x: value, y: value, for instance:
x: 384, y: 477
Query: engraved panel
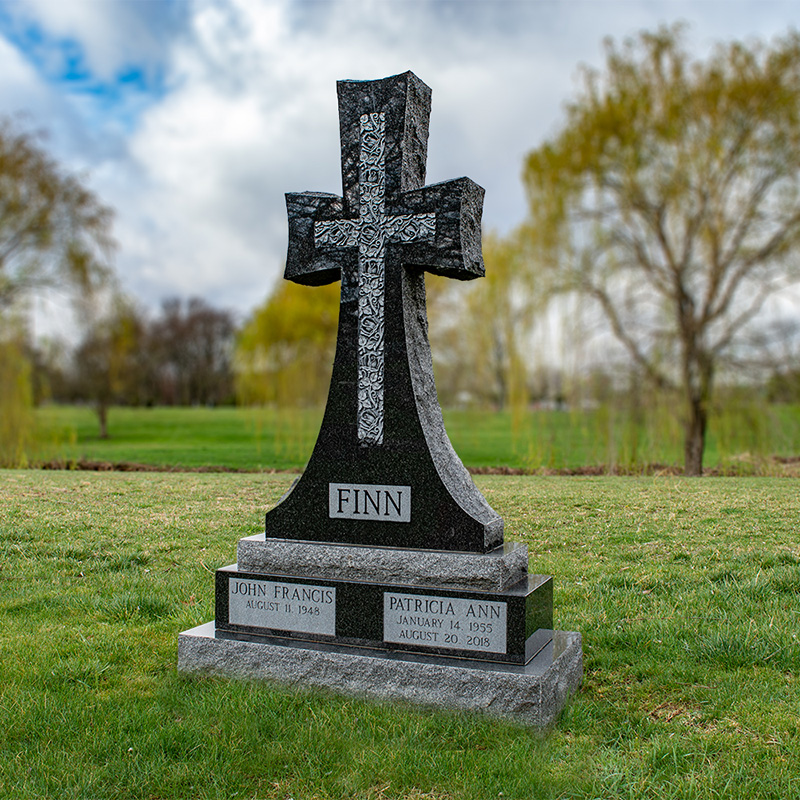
x: 447, y: 622
x: 369, y: 501
x: 279, y: 606
x: 411, y: 227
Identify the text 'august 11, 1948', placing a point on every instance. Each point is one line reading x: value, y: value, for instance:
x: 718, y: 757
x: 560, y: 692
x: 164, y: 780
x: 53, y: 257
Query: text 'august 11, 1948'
x: 369, y: 502
x: 279, y: 606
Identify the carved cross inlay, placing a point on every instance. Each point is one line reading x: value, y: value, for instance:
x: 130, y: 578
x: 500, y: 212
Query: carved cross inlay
x: 370, y: 233
x: 384, y: 130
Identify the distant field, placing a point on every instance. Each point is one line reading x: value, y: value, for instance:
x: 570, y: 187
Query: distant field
x: 266, y: 439
x: 687, y: 593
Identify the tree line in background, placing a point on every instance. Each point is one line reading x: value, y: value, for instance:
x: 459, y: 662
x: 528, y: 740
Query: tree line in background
x: 664, y: 217
x: 181, y: 356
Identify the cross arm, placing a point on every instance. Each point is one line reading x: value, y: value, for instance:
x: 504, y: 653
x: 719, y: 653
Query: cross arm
x: 455, y: 251
x: 306, y: 263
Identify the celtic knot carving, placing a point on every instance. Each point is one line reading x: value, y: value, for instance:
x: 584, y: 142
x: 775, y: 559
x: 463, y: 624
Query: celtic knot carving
x: 370, y: 232
x: 411, y: 227
x: 336, y: 232
x: 371, y: 256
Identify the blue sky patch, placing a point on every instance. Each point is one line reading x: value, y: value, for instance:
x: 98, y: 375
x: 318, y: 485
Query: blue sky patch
x: 61, y: 62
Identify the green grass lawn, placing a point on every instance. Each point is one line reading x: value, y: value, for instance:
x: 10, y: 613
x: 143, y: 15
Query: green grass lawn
x: 252, y: 439
x: 687, y: 593
x: 265, y: 439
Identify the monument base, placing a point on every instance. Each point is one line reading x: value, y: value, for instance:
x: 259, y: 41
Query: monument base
x: 533, y: 694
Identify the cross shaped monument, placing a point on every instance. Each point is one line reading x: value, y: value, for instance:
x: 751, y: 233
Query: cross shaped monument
x: 383, y: 571
x: 383, y: 471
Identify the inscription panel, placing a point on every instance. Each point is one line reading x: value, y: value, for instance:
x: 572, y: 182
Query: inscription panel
x: 369, y: 501
x: 448, y: 622
x: 297, y: 607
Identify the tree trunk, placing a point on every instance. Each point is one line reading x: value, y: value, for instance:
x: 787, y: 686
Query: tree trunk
x: 698, y: 378
x: 102, y: 416
x: 695, y: 436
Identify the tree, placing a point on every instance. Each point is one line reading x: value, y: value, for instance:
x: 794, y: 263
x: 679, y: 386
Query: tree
x: 191, y: 350
x: 16, y: 415
x: 182, y: 357
x: 284, y: 353
x: 478, y: 337
x: 671, y: 196
x: 54, y: 232
x: 105, y: 361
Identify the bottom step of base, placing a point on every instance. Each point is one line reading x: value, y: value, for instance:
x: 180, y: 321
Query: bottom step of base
x: 533, y: 694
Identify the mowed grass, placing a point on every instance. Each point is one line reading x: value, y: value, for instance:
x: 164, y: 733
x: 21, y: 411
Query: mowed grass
x: 269, y: 439
x: 687, y: 593
x: 237, y: 438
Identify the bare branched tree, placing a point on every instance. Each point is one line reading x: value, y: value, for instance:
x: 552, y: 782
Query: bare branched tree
x: 671, y: 197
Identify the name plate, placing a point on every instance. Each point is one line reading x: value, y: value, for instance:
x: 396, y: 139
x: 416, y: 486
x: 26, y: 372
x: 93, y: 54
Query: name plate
x: 449, y: 622
x: 298, y: 607
x: 369, y: 501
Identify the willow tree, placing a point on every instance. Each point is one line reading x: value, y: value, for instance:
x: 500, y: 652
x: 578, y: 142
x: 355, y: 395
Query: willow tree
x: 478, y: 330
x: 54, y: 234
x: 671, y: 196
x: 16, y: 414
x: 284, y: 353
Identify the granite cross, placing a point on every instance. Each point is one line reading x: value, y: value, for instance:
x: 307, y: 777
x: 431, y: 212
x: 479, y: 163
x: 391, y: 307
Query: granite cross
x: 370, y: 233
x: 382, y: 423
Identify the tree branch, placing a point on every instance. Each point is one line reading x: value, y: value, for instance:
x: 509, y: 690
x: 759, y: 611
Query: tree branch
x: 610, y: 310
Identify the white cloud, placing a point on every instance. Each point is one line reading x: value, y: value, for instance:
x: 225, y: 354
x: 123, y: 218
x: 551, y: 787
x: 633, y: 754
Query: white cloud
x: 18, y: 80
x: 113, y: 35
x: 24, y: 95
x: 254, y: 115
x: 250, y: 109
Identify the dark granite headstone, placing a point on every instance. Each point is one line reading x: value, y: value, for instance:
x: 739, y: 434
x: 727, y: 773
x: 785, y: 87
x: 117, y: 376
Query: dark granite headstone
x: 383, y: 570
x: 383, y: 455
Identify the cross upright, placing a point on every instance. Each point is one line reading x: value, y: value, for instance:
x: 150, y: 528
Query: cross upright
x: 370, y: 232
x: 383, y: 429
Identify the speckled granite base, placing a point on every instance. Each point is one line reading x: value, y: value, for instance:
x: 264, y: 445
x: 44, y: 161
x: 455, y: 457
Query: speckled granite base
x: 531, y: 695
x: 493, y: 571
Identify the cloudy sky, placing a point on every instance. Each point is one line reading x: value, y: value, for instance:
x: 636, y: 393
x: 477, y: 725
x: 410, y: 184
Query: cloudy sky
x: 191, y: 118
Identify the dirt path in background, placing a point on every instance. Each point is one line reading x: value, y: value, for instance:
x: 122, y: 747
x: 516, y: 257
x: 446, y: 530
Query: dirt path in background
x: 773, y: 467
x: 132, y: 466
